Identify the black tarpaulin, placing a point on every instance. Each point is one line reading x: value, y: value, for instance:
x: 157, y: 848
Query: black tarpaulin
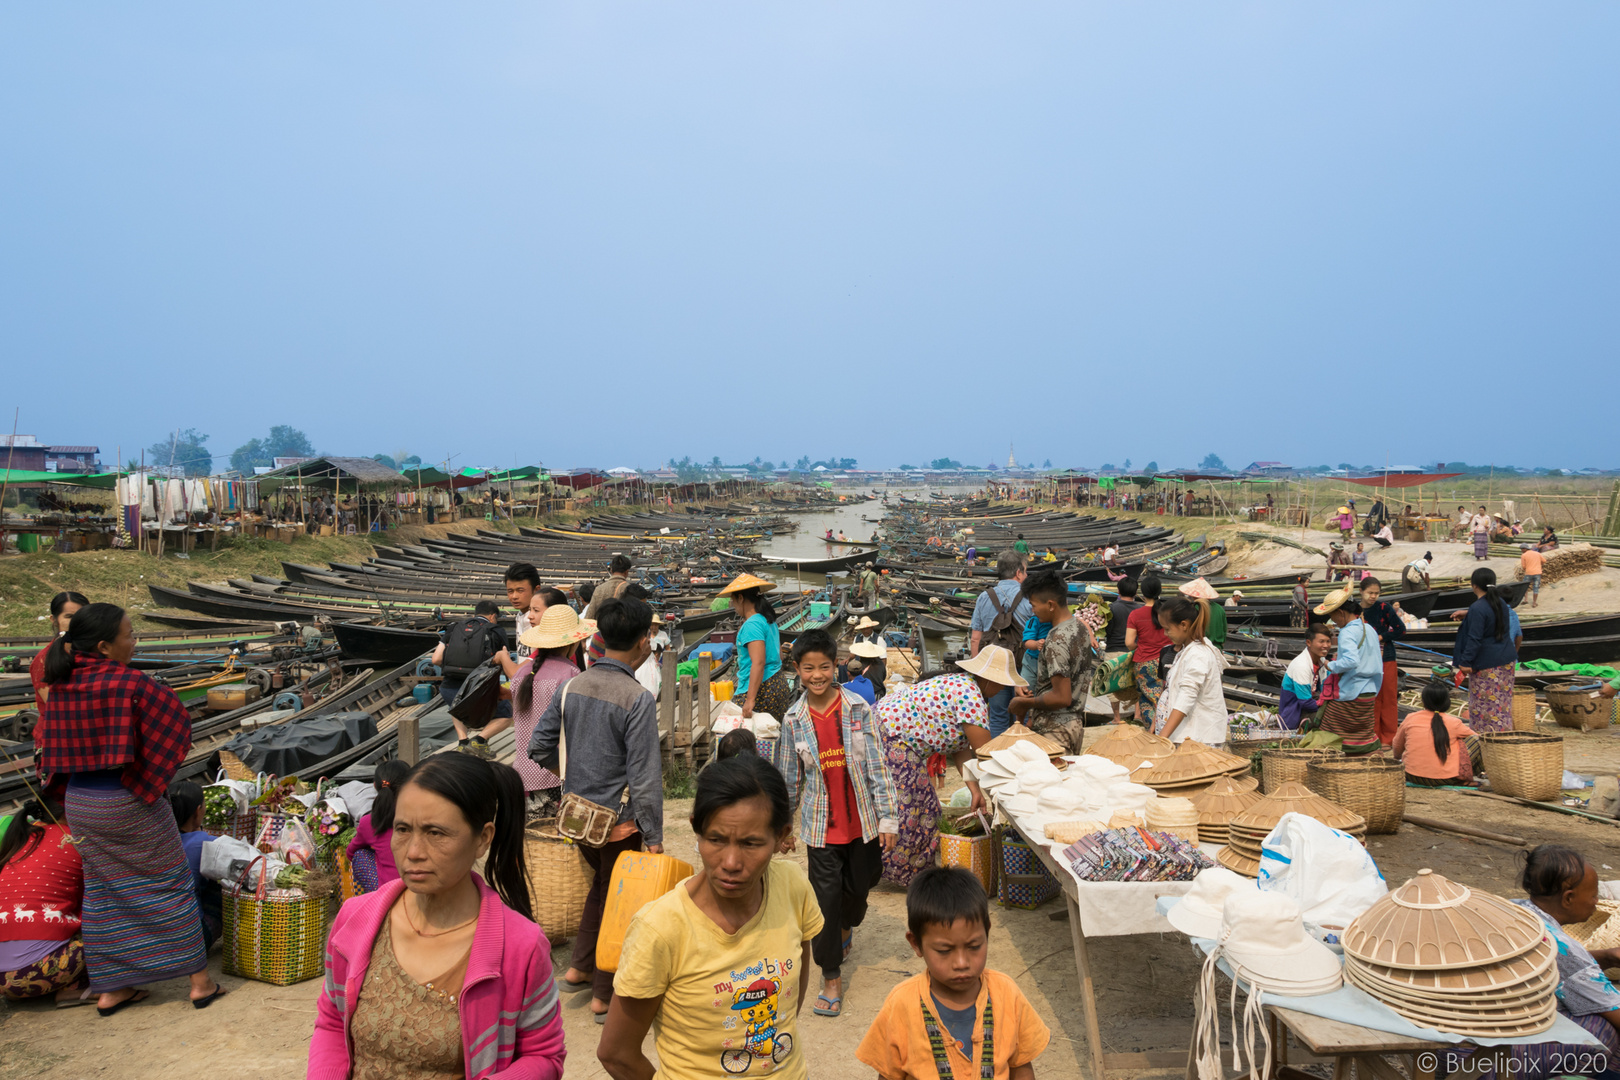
x: 284, y: 749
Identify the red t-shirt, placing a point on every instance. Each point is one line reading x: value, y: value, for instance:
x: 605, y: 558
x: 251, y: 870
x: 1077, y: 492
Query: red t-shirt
x: 36, y: 672
x: 1150, y: 640
x: 843, y: 818
x: 40, y: 894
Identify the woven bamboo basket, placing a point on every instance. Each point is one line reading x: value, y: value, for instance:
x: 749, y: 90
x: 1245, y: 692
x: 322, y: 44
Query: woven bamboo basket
x: 234, y: 769
x: 1581, y: 710
x: 559, y: 879
x: 1524, y: 764
x: 1284, y: 766
x: 1524, y: 708
x: 1188, y: 833
x: 1373, y: 787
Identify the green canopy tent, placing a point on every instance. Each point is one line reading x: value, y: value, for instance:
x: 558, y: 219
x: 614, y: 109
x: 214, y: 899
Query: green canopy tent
x: 335, y: 474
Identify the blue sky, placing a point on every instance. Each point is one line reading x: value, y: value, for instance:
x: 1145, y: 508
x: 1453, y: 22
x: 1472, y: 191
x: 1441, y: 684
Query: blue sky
x: 609, y: 233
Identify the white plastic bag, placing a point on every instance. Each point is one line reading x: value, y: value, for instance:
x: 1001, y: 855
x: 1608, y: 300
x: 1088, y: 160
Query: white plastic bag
x: 242, y: 792
x: 357, y: 796
x: 225, y: 857
x: 1326, y: 872
x: 727, y: 717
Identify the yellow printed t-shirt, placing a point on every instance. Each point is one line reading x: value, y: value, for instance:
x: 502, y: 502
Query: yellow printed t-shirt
x: 730, y: 1000
x: 896, y: 1044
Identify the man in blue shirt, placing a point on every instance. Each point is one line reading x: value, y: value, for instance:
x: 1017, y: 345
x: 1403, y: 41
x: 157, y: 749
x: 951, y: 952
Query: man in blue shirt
x: 983, y: 631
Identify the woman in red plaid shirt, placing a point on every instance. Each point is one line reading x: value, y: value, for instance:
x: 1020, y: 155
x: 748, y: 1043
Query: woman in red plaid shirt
x: 113, y: 737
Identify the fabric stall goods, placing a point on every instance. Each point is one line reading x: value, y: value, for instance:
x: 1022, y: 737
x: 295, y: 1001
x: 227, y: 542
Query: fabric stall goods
x: 1135, y: 854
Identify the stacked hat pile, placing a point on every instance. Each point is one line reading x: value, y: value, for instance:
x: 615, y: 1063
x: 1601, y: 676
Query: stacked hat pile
x: 1248, y: 830
x: 1025, y: 784
x: 1177, y: 816
x: 1131, y: 746
x: 1455, y: 959
x: 1222, y: 801
x: 1018, y: 733
x: 1191, y: 768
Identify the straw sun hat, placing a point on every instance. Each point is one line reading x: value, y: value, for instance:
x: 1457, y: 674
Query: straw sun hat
x: 748, y: 581
x: 1333, y: 601
x: 558, y: 627
x: 869, y: 649
x: 1199, y: 590
x: 866, y: 623
x: 996, y: 664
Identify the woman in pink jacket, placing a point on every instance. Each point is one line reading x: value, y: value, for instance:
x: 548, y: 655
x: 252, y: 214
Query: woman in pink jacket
x: 439, y: 973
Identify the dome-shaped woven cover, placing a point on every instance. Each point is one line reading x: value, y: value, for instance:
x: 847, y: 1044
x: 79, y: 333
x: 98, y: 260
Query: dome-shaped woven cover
x: 1129, y: 745
x: 1225, y: 799
x: 1296, y: 798
x: 1432, y: 923
x: 1192, y: 762
x: 1018, y: 733
x: 1171, y: 812
x: 1505, y: 979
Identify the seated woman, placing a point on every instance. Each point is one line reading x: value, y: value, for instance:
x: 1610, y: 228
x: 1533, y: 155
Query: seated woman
x: 1548, y: 541
x: 1562, y: 888
x: 40, y: 874
x: 439, y: 974
x: 719, y: 965
x: 187, y: 799
x: 1431, y: 744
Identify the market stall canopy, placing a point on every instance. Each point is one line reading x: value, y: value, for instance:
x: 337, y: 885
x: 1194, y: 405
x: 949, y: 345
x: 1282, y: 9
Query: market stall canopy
x: 526, y: 473
x: 430, y: 477
x: 105, y: 481
x: 334, y: 472
x: 1399, y: 480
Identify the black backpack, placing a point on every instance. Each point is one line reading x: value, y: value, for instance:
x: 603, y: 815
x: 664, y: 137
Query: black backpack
x: 1004, y: 628
x: 469, y: 643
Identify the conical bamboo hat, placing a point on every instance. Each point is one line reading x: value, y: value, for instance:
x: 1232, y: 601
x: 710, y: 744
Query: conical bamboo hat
x: 1296, y: 798
x: 1129, y: 745
x: 1018, y: 733
x: 1234, y: 860
x: 1225, y: 799
x: 1173, y: 811
x: 1191, y: 763
x: 1432, y: 923
x: 1505, y: 979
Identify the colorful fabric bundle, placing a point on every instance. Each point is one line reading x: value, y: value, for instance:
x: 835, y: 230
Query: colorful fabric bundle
x: 1135, y: 854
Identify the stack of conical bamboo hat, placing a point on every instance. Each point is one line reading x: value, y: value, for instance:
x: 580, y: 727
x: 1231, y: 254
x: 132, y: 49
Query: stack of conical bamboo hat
x: 1017, y: 733
x: 1222, y: 801
x: 1248, y: 830
x: 1129, y: 745
x: 1189, y: 770
x: 1173, y: 815
x: 1456, y: 959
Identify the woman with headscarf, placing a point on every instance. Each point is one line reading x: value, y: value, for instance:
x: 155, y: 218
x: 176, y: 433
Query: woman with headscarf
x: 1486, y: 656
x: 1479, y: 527
x: 924, y: 725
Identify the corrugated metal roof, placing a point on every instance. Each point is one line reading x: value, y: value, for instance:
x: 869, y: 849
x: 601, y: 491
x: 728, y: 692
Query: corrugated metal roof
x: 73, y: 449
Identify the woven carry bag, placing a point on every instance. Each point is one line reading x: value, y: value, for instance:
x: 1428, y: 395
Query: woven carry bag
x: 272, y: 939
x: 1287, y: 766
x: 1524, y: 764
x: 1373, y: 787
x: 559, y: 879
x: 1024, y: 880
x: 1524, y: 708
x: 975, y: 853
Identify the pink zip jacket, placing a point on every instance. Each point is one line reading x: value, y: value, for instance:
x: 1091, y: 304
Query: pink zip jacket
x: 511, y: 1024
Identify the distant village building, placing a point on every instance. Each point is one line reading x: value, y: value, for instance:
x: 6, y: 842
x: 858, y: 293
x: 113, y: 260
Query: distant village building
x: 25, y: 452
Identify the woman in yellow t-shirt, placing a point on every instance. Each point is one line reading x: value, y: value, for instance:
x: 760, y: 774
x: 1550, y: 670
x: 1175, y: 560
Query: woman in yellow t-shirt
x: 718, y: 966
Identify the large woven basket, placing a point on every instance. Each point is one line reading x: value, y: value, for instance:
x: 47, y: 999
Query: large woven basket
x: 1284, y: 766
x: 1373, y: 787
x: 1524, y: 708
x: 559, y: 879
x: 1524, y: 764
x: 1581, y: 710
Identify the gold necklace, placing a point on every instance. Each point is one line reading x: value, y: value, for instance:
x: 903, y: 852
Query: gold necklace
x: 437, y: 933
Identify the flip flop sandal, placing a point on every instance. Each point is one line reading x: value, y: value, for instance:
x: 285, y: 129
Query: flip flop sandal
x: 204, y: 1002
x: 835, y: 1006
x: 139, y: 995
x: 599, y: 1017
x: 572, y: 987
x: 849, y: 942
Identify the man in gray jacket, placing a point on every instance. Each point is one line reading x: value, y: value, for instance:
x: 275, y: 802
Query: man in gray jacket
x: 614, y: 760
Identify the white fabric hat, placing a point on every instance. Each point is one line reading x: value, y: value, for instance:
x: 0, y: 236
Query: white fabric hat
x: 1264, y: 939
x: 1198, y: 913
x: 872, y: 650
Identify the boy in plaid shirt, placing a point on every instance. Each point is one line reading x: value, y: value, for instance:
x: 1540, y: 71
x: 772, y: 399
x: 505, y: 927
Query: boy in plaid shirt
x: 831, y: 756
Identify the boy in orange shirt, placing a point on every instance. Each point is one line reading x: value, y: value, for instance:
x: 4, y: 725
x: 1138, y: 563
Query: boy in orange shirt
x: 1530, y: 561
x: 957, y: 1020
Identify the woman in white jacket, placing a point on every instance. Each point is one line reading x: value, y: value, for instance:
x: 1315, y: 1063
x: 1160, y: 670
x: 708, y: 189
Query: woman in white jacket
x: 1193, y: 705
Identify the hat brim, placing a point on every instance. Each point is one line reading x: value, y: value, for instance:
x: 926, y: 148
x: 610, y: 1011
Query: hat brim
x: 535, y: 638
x: 983, y: 670
x: 1199, y: 921
x: 1308, y: 963
x: 1328, y: 609
x: 871, y: 650
x: 748, y: 581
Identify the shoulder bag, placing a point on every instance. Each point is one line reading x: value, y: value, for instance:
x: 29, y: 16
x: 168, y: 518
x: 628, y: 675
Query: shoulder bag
x: 579, y: 819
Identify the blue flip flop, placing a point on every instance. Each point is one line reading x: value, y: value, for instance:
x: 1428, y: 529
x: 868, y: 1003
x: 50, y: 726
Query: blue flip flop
x: 835, y: 1006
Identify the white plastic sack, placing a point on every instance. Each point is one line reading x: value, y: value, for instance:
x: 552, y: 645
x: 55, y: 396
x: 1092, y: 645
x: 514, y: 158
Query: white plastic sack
x: 357, y: 795
x: 1326, y: 872
x: 242, y: 792
x: 225, y: 857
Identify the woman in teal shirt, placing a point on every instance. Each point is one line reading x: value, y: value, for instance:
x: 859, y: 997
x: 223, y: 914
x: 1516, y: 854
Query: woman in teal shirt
x: 760, y: 678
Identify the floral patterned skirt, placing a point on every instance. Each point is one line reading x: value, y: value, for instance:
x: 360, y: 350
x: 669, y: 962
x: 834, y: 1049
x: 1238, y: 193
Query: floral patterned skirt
x: 1490, y: 699
x: 1149, y: 683
x: 55, y: 971
x: 918, y: 845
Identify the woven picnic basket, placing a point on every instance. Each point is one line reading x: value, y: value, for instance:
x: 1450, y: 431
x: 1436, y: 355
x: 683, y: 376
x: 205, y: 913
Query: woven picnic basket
x: 274, y: 936
x: 1524, y: 708
x: 1524, y: 764
x: 1373, y: 787
x: 559, y: 879
x: 1288, y: 765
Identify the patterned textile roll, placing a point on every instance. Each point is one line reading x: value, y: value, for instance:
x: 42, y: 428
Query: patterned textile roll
x: 141, y: 919
x: 917, y: 847
x: 1353, y: 722
x: 1490, y: 699
x: 1149, y: 683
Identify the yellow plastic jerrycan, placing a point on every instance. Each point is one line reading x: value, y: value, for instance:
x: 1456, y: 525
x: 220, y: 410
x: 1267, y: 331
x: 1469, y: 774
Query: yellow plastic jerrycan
x: 639, y: 878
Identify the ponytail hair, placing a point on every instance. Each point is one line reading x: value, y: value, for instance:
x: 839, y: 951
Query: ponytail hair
x: 486, y: 792
x: 762, y: 604
x: 24, y: 831
x: 1184, y: 609
x: 1485, y: 578
x: 386, y: 779
x: 1437, y: 699
x: 90, y: 626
